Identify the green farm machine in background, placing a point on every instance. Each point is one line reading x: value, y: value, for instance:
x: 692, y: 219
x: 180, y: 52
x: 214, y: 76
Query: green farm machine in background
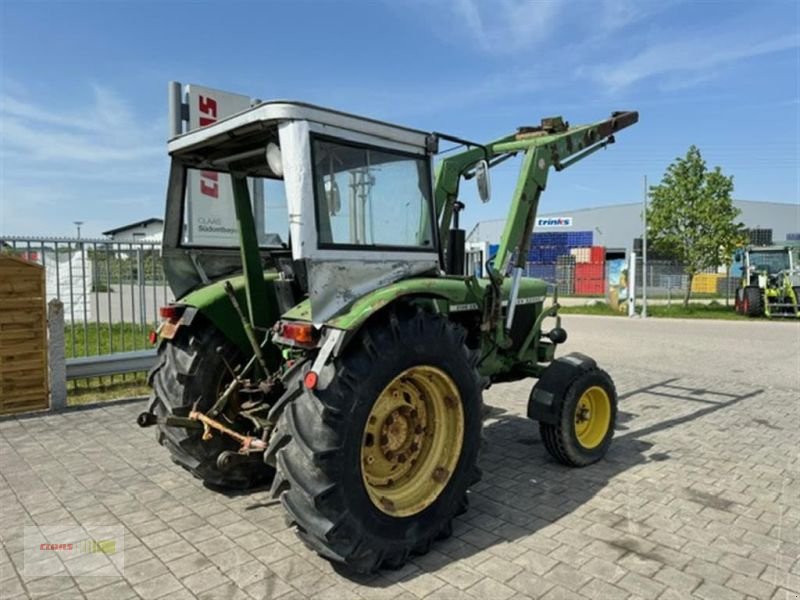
x: 346, y: 361
x: 770, y: 282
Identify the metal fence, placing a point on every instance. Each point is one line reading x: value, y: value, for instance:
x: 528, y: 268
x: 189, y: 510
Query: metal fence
x: 667, y: 280
x: 111, y: 290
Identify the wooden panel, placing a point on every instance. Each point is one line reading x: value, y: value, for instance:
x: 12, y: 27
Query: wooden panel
x: 23, y: 337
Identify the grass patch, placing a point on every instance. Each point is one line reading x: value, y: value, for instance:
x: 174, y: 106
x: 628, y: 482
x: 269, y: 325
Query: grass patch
x: 101, y: 338
x: 99, y: 389
x: 712, y: 310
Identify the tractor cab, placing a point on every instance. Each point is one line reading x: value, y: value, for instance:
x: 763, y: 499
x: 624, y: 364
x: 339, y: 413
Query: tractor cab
x: 768, y: 261
x: 341, y: 205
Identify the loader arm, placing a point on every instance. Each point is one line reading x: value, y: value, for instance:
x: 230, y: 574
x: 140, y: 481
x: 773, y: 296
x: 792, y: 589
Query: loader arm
x: 552, y: 144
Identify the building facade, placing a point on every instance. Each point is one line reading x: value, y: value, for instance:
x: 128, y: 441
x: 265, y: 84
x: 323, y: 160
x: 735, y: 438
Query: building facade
x: 148, y: 230
x: 616, y: 226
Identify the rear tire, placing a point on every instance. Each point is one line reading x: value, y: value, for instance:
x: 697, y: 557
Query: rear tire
x: 753, y: 302
x: 579, y: 439
x: 318, y: 446
x: 190, y: 370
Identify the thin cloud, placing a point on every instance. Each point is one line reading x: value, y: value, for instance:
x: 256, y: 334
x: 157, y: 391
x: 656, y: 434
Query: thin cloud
x: 96, y: 160
x: 508, y: 25
x: 107, y: 131
x: 693, y: 59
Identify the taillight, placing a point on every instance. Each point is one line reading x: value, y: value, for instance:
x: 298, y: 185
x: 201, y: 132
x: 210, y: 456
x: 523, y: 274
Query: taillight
x: 171, y: 312
x: 310, y: 380
x: 301, y: 333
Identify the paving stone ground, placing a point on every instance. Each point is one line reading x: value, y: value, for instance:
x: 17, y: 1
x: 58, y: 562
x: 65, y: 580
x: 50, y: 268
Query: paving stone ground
x: 699, y: 496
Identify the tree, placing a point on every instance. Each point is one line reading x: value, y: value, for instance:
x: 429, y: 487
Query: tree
x: 691, y: 216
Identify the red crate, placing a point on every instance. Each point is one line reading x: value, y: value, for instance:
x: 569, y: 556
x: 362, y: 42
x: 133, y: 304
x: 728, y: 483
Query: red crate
x: 598, y: 254
x: 586, y: 287
x: 590, y: 271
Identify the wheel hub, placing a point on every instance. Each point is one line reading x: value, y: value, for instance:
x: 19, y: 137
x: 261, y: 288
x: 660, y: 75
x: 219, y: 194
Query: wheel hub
x: 592, y: 417
x: 412, y: 441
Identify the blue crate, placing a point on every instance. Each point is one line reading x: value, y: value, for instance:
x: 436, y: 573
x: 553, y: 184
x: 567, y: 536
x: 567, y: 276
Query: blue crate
x: 550, y: 238
x: 579, y: 239
x: 541, y: 271
x: 546, y: 254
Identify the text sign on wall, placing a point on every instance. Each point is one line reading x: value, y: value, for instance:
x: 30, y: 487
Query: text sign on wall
x: 210, y: 212
x: 545, y: 222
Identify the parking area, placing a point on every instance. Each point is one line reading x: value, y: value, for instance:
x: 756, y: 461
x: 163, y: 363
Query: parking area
x: 700, y: 494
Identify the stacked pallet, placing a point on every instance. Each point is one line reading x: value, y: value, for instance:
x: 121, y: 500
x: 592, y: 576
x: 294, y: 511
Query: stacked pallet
x: 550, y: 255
x: 546, y: 272
x: 565, y: 275
x: 556, y: 256
x: 760, y: 237
x: 579, y: 239
x: 581, y: 255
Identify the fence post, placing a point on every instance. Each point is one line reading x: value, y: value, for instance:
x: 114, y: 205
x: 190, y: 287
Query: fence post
x: 632, y: 286
x: 56, y: 354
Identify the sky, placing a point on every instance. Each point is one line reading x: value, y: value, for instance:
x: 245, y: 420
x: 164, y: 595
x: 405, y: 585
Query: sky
x: 83, y: 89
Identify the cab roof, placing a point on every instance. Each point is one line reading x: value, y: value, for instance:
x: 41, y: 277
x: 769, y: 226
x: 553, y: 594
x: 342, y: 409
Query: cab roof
x: 262, y: 121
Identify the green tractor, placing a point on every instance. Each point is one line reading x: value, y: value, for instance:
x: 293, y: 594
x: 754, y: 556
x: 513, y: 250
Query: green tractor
x: 770, y: 282
x: 333, y: 345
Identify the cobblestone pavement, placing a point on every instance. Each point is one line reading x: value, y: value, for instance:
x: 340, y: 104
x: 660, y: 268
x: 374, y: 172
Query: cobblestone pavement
x: 698, y: 496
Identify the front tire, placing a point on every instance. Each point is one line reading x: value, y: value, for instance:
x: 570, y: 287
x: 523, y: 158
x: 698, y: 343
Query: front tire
x: 584, y: 429
x: 374, y: 467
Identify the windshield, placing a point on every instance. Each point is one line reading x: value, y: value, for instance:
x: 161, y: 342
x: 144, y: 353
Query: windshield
x: 770, y: 261
x: 371, y: 197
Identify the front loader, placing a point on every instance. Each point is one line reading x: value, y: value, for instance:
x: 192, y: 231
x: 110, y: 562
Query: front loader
x: 345, y: 359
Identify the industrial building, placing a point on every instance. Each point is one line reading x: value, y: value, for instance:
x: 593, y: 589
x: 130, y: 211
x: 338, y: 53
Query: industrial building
x: 587, y: 251
x: 616, y: 226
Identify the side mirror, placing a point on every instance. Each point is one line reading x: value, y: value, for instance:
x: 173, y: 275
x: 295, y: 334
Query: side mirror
x: 483, y: 181
x: 332, y: 196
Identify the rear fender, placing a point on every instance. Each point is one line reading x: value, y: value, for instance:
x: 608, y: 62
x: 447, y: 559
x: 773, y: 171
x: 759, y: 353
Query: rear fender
x: 213, y: 303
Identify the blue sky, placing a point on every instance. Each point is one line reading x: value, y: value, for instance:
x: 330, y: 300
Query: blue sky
x: 83, y: 89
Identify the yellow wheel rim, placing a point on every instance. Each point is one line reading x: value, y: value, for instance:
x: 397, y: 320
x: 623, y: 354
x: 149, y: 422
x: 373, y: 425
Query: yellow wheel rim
x: 592, y: 417
x: 412, y: 441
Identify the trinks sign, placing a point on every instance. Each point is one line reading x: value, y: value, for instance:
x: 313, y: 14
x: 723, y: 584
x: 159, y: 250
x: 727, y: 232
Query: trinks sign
x: 543, y: 222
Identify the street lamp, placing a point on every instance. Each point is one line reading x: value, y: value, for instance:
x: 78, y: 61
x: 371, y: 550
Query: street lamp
x: 78, y: 225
